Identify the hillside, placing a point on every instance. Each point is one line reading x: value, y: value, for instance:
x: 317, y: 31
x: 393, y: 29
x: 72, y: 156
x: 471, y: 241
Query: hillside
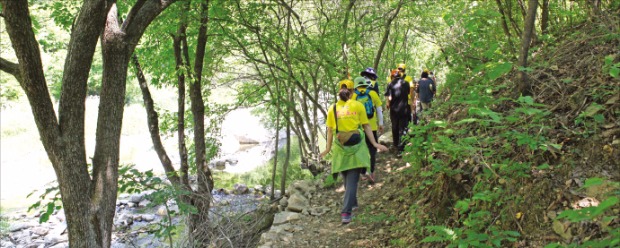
x: 533, y: 172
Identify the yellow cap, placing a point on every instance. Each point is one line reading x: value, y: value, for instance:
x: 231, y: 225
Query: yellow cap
x: 346, y: 82
x: 426, y: 70
x: 402, y: 65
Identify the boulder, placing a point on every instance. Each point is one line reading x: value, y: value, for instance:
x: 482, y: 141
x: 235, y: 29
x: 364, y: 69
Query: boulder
x: 297, y: 203
x: 386, y: 139
x: 40, y: 231
x: 136, y: 198
x: 220, y: 165
x: 14, y: 227
x: 285, y: 217
x: 241, y: 189
x: 284, y: 202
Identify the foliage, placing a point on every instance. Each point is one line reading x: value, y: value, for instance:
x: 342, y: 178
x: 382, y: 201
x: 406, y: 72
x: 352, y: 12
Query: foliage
x: 133, y: 181
x: 49, y: 202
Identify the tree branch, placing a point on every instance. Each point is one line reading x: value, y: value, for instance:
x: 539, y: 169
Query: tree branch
x: 142, y: 14
x: 11, y: 68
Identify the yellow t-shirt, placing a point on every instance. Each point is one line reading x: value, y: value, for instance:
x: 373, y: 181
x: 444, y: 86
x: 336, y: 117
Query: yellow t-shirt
x: 376, y: 101
x: 409, y: 80
x: 351, y: 114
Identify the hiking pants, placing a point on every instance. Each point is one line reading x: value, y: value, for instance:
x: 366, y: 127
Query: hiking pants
x: 373, y: 151
x: 351, y: 179
x: 399, y: 127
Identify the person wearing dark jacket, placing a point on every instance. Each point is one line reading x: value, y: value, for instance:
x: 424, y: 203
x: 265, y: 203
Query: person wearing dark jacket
x: 397, y: 101
x: 425, y: 90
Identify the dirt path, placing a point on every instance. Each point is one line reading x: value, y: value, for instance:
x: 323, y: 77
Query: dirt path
x: 371, y: 223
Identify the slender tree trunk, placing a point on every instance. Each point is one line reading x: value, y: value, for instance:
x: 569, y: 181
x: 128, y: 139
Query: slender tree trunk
x: 544, y: 21
x: 524, y: 86
x: 153, y: 124
x: 200, y: 220
x: 386, y: 33
x: 288, y: 151
x: 275, y: 157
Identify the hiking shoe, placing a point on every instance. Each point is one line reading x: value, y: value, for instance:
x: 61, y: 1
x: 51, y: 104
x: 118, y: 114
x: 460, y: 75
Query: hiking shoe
x: 346, y: 218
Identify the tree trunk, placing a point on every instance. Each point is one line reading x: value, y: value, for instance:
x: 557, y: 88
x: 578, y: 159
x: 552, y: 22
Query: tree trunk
x: 153, y: 124
x: 202, y: 197
x: 524, y: 86
x: 388, y: 24
x: 89, y: 202
x: 275, y: 157
x: 544, y: 20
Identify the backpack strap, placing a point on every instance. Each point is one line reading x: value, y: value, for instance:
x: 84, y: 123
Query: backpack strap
x: 336, y: 117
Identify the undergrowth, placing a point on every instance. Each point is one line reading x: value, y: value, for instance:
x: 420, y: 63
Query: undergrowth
x: 492, y: 170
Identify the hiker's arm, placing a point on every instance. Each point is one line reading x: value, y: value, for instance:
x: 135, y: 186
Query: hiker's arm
x: 371, y: 137
x: 380, y: 119
x: 412, y: 96
x: 330, y: 138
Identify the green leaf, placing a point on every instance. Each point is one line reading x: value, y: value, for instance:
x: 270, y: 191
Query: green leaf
x: 526, y: 69
x: 594, y: 181
x: 592, y: 109
x: 526, y: 99
x: 614, y: 71
x: 499, y: 70
x: 463, y: 206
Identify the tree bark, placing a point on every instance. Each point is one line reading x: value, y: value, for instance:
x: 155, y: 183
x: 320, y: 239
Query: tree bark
x: 89, y: 202
x: 524, y: 86
x: 153, y: 124
x: 199, y: 221
x: 544, y: 20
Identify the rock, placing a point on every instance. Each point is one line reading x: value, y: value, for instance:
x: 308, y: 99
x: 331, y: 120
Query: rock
x: 121, y: 202
x: 246, y: 140
x: 132, y: 204
x: 136, y: 198
x: 148, y: 217
x: 58, y: 230
x: 20, y: 226
x: 259, y: 188
x: 60, y: 245
x: 386, y: 139
x: 285, y: 217
x: 144, y: 203
x: 284, y: 202
x: 60, y: 215
x: 241, y: 189
x: 297, y: 203
x: 318, y: 211
x: 8, y: 244
x: 53, y: 239
x: 41, y: 231
x: 220, y: 165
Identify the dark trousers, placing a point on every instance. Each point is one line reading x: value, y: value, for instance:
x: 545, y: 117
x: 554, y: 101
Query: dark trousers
x: 373, y: 151
x: 399, y: 127
x: 351, y: 179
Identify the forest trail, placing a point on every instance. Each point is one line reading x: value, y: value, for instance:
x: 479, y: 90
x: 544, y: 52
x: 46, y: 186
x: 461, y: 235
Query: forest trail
x: 379, y: 209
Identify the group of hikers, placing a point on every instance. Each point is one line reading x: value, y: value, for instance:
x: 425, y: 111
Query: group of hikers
x: 358, y: 115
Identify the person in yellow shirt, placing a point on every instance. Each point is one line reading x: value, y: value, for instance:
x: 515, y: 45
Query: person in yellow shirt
x: 363, y: 93
x: 349, y: 156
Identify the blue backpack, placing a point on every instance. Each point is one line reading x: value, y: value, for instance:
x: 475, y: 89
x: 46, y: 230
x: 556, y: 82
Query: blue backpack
x: 365, y: 99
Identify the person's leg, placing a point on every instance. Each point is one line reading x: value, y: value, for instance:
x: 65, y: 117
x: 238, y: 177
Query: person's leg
x: 351, y: 179
x: 394, y: 120
x: 402, y: 127
x: 373, y: 151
